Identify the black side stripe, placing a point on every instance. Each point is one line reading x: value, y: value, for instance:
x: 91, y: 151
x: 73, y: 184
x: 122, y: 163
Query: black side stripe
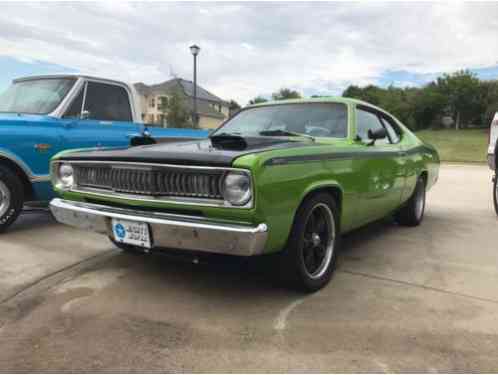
x: 342, y: 156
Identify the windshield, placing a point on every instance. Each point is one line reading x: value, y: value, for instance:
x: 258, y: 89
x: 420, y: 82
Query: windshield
x: 37, y: 96
x: 312, y: 119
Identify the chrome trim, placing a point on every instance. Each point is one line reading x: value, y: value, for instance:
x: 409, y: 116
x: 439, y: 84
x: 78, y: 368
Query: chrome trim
x: 170, y: 199
x: 168, y: 230
x: 44, y: 178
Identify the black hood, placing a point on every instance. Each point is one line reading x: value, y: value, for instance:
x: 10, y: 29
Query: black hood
x: 206, y: 152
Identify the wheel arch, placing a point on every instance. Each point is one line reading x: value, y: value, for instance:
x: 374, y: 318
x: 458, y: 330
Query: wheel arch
x: 332, y: 188
x: 12, y: 165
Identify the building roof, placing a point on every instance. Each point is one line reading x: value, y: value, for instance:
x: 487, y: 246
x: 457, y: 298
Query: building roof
x: 205, y: 98
x: 186, y: 86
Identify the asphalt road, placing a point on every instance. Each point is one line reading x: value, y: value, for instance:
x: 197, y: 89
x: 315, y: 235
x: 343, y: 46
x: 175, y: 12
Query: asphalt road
x: 419, y: 299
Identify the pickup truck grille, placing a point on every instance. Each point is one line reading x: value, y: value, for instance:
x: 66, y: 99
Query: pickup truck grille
x: 151, y: 181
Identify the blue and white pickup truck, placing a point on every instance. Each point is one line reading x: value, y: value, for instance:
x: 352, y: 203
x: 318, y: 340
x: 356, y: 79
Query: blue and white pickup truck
x: 43, y: 115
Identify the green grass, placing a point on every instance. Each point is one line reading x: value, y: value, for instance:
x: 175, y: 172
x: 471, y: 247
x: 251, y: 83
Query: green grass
x: 468, y: 145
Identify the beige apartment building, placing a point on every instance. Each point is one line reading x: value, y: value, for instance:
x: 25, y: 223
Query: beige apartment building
x: 212, y: 110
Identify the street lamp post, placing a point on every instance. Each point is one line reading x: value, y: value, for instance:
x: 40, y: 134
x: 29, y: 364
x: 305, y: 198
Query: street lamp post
x: 194, y: 49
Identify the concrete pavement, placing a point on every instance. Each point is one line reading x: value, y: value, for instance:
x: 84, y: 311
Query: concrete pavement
x: 419, y: 299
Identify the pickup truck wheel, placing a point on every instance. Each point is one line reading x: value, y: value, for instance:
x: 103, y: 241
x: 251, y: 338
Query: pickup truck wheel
x: 412, y: 213
x: 11, y: 197
x: 495, y: 192
x: 309, y: 259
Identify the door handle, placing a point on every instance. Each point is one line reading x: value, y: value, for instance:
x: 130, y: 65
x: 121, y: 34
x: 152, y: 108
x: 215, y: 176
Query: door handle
x: 402, y: 153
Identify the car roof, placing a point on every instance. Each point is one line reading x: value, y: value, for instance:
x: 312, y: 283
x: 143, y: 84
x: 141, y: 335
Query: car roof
x: 325, y: 99
x: 69, y: 75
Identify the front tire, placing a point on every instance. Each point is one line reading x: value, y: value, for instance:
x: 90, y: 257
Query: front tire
x: 412, y: 213
x: 308, y: 261
x: 11, y: 197
x: 495, y: 192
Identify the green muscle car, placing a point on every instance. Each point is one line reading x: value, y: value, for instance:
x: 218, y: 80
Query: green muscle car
x: 285, y: 177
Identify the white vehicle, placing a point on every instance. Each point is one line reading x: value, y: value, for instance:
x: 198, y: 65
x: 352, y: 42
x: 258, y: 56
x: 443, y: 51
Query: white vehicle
x: 493, y: 157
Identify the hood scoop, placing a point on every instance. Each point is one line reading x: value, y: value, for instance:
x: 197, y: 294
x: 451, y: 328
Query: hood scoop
x: 229, y: 142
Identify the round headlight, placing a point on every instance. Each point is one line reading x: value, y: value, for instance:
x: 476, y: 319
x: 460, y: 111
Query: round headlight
x: 237, y: 188
x: 66, y: 176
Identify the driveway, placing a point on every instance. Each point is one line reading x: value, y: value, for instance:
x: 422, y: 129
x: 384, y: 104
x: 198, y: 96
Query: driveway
x: 419, y: 299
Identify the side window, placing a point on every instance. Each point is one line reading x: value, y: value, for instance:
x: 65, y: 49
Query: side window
x: 107, y: 102
x: 74, y: 110
x: 392, y: 129
x: 366, y: 121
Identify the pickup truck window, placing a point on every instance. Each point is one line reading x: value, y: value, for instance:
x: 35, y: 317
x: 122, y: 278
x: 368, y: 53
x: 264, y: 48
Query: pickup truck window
x: 36, y: 96
x: 106, y: 102
x: 316, y: 119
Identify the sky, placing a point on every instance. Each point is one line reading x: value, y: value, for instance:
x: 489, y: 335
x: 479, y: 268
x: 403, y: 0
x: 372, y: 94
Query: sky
x: 250, y: 49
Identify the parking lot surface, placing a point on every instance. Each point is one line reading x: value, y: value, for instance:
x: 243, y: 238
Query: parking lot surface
x: 419, y: 299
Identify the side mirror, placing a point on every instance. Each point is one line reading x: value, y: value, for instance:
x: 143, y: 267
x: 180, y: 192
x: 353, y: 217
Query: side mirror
x: 85, y: 115
x: 377, y: 134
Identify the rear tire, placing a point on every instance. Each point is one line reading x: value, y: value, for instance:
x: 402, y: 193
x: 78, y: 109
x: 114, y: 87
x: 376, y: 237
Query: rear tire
x: 11, y: 197
x: 412, y: 213
x: 495, y: 192
x: 308, y: 261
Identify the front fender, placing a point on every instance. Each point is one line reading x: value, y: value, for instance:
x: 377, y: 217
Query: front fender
x: 19, y: 162
x: 280, y: 193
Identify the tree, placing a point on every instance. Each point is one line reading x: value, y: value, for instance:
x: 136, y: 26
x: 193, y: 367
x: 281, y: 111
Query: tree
x: 428, y: 107
x: 489, y: 101
x: 461, y: 90
x: 233, y: 107
x: 257, y: 100
x: 371, y: 93
x: 284, y: 93
x: 178, y: 115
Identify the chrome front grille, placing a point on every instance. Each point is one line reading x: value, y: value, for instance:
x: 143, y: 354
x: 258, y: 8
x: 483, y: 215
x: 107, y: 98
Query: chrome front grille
x: 155, y: 181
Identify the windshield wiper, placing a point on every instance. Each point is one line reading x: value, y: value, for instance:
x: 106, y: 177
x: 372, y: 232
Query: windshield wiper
x: 284, y: 133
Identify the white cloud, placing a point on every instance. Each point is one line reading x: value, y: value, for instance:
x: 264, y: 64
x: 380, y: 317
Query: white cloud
x: 251, y: 49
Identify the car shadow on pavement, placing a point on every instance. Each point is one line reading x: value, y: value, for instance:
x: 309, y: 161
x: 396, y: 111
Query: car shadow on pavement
x: 227, y: 275
x: 29, y: 219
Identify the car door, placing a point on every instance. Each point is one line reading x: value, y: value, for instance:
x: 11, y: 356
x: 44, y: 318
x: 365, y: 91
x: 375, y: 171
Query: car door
x: 99, y: 116
x: 380, y: 166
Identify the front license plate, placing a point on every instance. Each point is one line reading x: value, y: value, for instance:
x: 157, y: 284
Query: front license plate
x: 131, y: 233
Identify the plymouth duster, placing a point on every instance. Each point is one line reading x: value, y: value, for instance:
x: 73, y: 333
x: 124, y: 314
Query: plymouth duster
x: 285, y: 178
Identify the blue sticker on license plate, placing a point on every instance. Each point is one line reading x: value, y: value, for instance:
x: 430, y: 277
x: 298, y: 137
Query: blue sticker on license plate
x: 131, y: 233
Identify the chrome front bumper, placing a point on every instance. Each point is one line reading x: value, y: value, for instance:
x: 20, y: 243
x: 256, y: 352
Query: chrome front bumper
x: 167, y: 230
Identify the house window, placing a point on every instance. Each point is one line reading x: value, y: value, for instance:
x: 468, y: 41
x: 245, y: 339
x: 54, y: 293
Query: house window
x: 163, y: 102
x: 152, y: 103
